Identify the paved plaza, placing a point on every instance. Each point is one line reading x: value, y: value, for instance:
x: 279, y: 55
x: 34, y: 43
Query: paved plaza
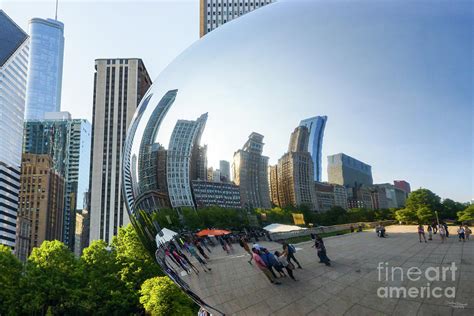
x: 350, y: 286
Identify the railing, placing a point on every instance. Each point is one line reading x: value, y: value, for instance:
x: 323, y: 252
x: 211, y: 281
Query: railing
x: 327, y: 229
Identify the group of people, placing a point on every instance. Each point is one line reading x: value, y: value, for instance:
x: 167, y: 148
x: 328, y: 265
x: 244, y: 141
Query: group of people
x: 194, y: 247
x: 463, y: 232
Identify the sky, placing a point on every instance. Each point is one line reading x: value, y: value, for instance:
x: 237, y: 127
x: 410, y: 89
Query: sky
x: 431, y: 149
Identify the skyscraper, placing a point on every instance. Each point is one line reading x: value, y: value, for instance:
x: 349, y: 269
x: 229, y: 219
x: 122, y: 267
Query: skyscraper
x: 45, y: 71
x: 68, y: 142
x: 14, y: 49
x: 224, y: 167
x: 41, y: 204
x: 316, y: 127
x: 185, y: 136
x: 273, y: 185
x: 347, y: 171
x: 214, y: 13
x: 250, y: 173
x: 119, y: 85
x: 402, y: 185
x: 296, y: 174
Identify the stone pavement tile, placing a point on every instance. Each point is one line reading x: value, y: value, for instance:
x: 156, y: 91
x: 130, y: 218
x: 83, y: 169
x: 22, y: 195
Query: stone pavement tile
x: 277, y: 302
x: 258, y: 309
x: 319, y: 297
x: 337, y: 306
x: 465, y: 286
x: 352, y: 294
x: 300, y: 307
x: 406, y: 308
x: 368, y: 286
x: 465, y: 298
x: 359, y: 310
x: 463, y: 311
x: 349, y: 278
x: 434, y: 310
x: 333, y: 287
x: 384, y: 305
x: 467, y: 275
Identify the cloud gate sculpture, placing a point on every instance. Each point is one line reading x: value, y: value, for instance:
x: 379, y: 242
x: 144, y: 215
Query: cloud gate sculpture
x: 261, y: 75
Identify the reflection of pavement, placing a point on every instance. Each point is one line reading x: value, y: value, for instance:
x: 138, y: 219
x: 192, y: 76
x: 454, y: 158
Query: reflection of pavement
x: 348, y: 287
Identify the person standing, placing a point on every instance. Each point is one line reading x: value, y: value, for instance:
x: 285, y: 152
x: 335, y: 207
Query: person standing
x: 289, y: 251
x: 461, y: 233
x: 261, y: 265
x: 435, y: 228
x: 421, y: 232
x: 442, y: 233
x: 446, y: 229
x: 467, y: 231
x: 289, y: 267
x: 430, y: 232
x: 321, y: 249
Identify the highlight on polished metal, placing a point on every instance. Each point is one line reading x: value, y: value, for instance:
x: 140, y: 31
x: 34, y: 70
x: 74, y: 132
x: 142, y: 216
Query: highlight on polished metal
x: 258, y: 91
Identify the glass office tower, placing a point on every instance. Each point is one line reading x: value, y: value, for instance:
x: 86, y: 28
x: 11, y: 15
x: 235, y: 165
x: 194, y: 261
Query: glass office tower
x: 45, y: 68
x: 316, y: 127
x: 14, y: 46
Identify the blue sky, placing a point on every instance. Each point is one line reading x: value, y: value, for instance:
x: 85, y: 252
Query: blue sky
x: 424, y: 138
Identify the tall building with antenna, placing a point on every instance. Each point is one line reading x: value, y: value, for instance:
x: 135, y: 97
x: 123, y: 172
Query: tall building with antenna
x: 45, y: 70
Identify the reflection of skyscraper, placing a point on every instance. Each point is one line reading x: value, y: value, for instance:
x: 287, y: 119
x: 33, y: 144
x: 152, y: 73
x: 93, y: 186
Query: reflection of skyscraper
x: 214, y: 13
x: 119, y: 85
x: 316, y: 127
x: 199, y: 163
x: 14, y: 46
x: 67, y: 142
x: 185, y: 135
x: 273, y: 184
x: 296, y: 174
x: 45, y: 68
x: 250, y: 173
x: 224, y: 167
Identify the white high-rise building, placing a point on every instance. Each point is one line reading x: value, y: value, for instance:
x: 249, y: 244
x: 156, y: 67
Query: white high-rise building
x: 214, y: 13
x: 14, y: 48
x: 119, y: 85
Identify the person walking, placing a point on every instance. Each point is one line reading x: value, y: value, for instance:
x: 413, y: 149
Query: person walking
x: 200, y: 249
x: 201, y: 261
x: 461, y: 233
x: 421, y: 232
x: 321, y: 249
x: 243, y: 243
x: 430, y: 232
x: 467, y: 231
x: 442, y: 233
x: 289, y: 251
x: 289, y: 267
x: 435, y: 228
x: 264, y: 255
x: 261, y: 265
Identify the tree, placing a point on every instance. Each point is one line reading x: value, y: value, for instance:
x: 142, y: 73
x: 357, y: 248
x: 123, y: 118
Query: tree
x: 425, y: 215
x: 406, y: 216
x: 450, y: 208
x: 467, y: 215
x: 160, y: 296
x: 104, y: 292
x: 50, y: 281
x: 10, y: 273
x: 135, y: 263
x: 423, y: 198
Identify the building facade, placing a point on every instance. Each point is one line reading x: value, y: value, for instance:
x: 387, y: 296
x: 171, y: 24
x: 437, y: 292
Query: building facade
x: 186, y: 134
x: 273, y: 185
x: 119, y: 85
x: 14, y: 50
x: 316, y: 127
x: 347, y: 171
x: 214, y: 13
x: 68, y: 142
x: 45, y: 68
x: 296, y: 174
x: 250, y: 173
x: 221, y: 194
x: 402, y: 185
x: 224, y: 167
x: 340, y: 196
x: 41, y: 204
x: 325, y: 196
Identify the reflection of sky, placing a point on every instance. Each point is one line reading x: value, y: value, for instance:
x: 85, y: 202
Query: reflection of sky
x: 394, y: 79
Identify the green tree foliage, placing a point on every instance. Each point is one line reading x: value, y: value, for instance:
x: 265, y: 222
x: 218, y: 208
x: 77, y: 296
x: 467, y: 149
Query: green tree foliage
x: 51, y: 280
x: 423, y: 198
x: 10, y: 273
x: 425, y: 215
x: 450, y: 208
x: 406, y: 216
x: 467, y: 215
x: 161, y: 297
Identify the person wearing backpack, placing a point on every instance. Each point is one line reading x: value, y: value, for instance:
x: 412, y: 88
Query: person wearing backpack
x: 289, y: 251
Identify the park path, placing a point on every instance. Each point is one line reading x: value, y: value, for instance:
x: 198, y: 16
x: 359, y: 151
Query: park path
x: 351, y: 285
